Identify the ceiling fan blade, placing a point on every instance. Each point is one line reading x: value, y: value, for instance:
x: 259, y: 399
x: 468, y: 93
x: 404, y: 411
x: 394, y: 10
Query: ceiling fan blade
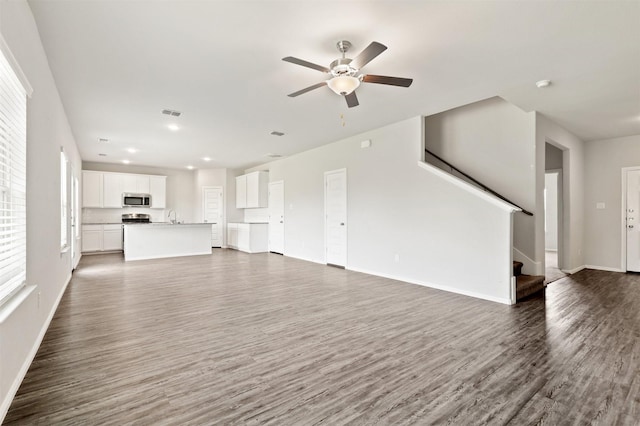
x: 352, y: 100
x: 391, y: 81
x: 305, y: 64
x: 368, y: 54
x: 307, y: 89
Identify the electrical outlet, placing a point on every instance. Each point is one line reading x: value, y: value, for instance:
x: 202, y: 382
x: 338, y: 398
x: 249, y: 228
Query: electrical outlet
x: 396, y: 258
x: 39, y: 294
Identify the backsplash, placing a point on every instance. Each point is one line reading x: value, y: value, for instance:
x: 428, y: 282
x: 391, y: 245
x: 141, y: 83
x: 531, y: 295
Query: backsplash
x: 115, y: 215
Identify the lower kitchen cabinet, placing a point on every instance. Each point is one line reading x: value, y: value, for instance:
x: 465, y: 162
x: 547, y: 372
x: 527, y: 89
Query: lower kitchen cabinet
x: 101, y: 238
x: 248, y: 237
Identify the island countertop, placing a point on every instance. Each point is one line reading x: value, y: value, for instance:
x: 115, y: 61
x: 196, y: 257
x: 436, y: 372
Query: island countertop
x: 170, y: 224
x: 158, y: 240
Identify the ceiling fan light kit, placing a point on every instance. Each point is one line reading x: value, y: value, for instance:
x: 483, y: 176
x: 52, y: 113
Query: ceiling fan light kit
x: 343, y: 85
x: 345, y: 72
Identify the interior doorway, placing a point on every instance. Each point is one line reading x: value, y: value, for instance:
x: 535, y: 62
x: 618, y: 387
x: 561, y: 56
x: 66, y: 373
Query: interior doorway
x: 554, y: 238
x: 276, y: 217
x: 335, y: 209
x: 630, y: 223
x: 212, y: 212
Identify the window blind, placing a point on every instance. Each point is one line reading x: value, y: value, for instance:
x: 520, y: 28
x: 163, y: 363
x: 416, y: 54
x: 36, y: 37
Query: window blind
x: 13, y: 211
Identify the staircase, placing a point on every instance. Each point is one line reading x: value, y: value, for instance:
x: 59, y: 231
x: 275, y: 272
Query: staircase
x: 526, y: 285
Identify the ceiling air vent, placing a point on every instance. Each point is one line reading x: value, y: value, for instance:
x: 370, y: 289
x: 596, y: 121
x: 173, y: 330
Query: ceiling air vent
x: 276, y: 133
x: 171, y: 112
x: 274, y: 155
x: 103, y: 140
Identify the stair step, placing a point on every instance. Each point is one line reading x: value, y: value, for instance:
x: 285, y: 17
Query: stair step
x: 526, y: 285
x: 517, y: 268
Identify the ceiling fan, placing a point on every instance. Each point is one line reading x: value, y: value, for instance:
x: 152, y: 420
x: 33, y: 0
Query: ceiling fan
x: 345, y: 72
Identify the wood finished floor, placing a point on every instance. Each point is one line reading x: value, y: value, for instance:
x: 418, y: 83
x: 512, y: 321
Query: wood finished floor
x: 234, y: 338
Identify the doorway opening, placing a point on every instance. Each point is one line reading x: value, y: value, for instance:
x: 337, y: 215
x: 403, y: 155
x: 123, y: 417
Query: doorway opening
x: 554, y: 213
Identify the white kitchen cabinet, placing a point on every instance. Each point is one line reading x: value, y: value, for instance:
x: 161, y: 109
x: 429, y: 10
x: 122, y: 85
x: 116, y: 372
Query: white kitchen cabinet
x: 158, y: 191
x: 135, y: 184
x: 111, y: 237
x: 112, y: 189
x: 91, y: 189
x: 252, y: 190
x: 101, y: 238
x: 248, y: 237
x: 91, y: 238
x: 241, y: 192
x: 105, y: 189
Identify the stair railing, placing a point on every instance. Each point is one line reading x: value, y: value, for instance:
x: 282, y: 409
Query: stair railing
x: 478, y: 183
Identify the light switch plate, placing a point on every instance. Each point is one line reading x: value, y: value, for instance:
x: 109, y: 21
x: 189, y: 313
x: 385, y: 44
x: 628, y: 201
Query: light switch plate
x: 600, y: 206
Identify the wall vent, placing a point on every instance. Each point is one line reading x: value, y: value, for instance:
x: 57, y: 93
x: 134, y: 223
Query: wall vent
x: 171, y: 112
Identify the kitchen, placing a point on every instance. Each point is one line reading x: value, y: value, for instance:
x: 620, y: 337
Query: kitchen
x: 179, y: 213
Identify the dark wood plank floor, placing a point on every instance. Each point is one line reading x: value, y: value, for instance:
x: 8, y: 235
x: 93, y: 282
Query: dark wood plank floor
x: 234, y: 338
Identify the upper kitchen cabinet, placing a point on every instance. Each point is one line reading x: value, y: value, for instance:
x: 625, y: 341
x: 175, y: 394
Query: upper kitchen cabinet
x: 136, y: 184
x: 91, y: 189
x: 252, y: 190
x: 105, y: 189
x: 158, y: 191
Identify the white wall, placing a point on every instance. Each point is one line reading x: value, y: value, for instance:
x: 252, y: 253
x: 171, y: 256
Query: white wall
x: 22, y: 328
x: 572, y: 190
x: 492, y: 141
x: 604, y: 161
x: 443, y: 235
x: 181, y: 190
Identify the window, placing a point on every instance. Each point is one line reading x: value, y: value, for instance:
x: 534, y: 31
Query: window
x: 13, y: 211
x: 64, y: 208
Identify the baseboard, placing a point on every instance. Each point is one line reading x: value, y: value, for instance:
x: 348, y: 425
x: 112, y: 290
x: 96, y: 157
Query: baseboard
x: 306, y: 259
x: 530, y: 266
x: 505, y: 301
x: 13, y: 389
x: 574, y: 270
x: 604, y: 268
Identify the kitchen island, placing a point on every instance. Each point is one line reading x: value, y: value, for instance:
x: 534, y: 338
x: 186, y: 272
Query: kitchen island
x: 158, y: 240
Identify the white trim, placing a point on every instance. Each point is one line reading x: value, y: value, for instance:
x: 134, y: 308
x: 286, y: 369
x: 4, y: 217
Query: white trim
x: 306, y: 259
x: 504, y: 301
x: 574, y: 270
x: 604, y: 268
x: 623, y: 217
x: 13, y: 389
x: 13, y: 63
x: 468, y: 187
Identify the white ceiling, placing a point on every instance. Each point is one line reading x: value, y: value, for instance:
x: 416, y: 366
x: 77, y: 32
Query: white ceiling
x: 117, y: 64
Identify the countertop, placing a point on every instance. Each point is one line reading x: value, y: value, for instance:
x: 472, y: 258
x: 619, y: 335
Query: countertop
x: 253, y: 223
x: 102, y: 223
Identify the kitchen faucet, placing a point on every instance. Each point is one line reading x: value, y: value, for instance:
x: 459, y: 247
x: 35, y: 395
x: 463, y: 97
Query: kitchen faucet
x: 174, y: 216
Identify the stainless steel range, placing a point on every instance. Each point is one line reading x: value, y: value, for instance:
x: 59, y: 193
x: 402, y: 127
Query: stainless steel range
x: 136, y: 218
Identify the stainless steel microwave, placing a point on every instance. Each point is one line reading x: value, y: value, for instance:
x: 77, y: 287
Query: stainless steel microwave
x: 136, y: 200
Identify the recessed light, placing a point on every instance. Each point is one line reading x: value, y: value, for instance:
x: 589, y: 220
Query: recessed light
x: 543, y: 83
x: 126, y: 161
x: 173, y: 127
x: 132, y: 150
x: 190, y: 167
x: 206, y: 159
x: 276, y: 133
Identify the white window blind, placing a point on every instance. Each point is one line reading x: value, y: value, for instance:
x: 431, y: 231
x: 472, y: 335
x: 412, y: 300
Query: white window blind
x: 13, y: 214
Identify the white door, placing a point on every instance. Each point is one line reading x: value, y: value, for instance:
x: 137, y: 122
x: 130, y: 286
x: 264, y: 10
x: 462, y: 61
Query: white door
x: 276, y: 217
x: 633, y: 220
x: 335, y: 207
x: 213, y: 206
